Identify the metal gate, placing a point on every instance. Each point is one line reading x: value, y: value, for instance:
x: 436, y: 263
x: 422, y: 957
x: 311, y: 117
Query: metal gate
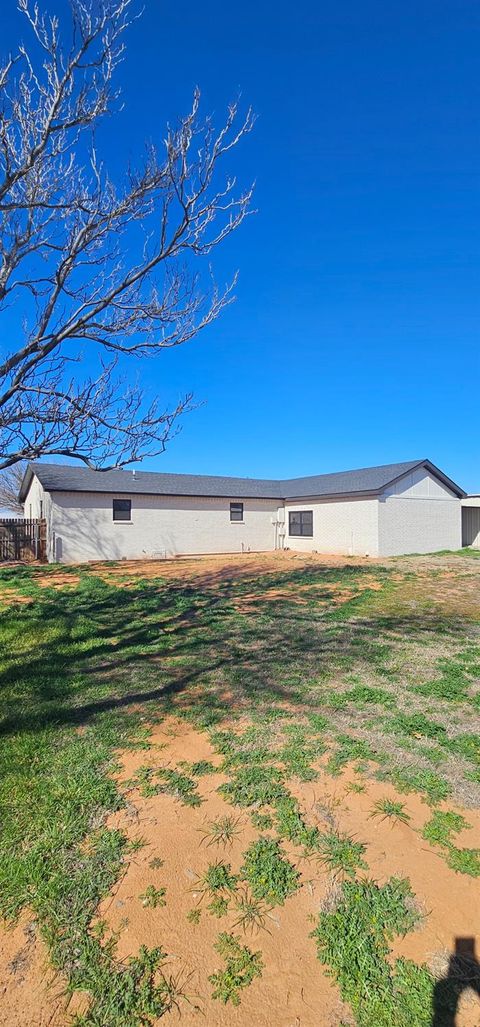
x: 23, y: 538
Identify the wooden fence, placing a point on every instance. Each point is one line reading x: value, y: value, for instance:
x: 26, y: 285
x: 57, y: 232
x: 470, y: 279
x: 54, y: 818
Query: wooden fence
x: 22, y: 538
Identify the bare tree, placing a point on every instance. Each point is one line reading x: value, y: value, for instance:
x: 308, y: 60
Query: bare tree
x: 10, y: 481
x: 93, y: 274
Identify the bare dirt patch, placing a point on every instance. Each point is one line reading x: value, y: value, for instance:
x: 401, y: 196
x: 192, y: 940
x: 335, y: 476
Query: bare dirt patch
x: 293, y: 988
x: 215, y: 569
x: 10, y: 596
x: 57, y: 579
x: 31, y: 995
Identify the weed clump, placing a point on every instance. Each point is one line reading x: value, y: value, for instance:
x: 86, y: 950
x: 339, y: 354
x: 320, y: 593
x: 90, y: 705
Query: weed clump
x: 254, y: 786
x: 269, y: 873
x: 241, y: 967
x: 179, y: 785
x: 439, y: 831
x: 353, y: 941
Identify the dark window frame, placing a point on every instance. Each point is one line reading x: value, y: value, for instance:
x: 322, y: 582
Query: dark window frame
x: 305, y: 527
x: 236, y: 508
x: 127, y: 508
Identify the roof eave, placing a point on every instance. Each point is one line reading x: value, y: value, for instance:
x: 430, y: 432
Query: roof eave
x: 363, y: 494
x: 26, y: 482
x: 446, y: 480
x: 177, y: 495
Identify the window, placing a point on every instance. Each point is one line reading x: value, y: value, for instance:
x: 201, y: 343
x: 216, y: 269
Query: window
x: 236, y: 511
x: 41, y: 509
x: 122, y: 509
x: 300, y: 522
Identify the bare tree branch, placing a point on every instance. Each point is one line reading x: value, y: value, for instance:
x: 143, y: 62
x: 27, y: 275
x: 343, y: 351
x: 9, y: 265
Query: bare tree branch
x: 93, y: 268
x: 10, y: 481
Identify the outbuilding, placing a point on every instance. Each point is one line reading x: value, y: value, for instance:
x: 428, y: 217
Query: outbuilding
x: 410, y: 507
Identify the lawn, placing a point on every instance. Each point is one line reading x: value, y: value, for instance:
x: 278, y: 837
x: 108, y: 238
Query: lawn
x: 243, y: 790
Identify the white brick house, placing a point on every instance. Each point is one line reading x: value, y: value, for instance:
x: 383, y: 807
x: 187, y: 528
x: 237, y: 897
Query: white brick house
x: 108, y: 515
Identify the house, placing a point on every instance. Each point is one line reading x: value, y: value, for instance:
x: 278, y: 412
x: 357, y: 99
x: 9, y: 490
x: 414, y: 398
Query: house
x: 376, y: 511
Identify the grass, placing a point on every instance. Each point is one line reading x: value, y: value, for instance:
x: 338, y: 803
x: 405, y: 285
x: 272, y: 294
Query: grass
x: 298, y: 754
x: 252, y: 912
x: 351, y: 750
x: 362, y: 695
x: 241, y: 967
x: 139, y: 993
x: 156, y: 863
x: 178, y: 784
x: 431, y: 786
x: 390, y: 809
x: 455, y: 678
x: 262, y: 821
x: 254, y: 786
x: 416, y: 725
x: 222, y: 831
x: 201, y: 768
x: 353, y: 942
x: 218, y: 877
x: 84, y: 671
x: 268, y: 872
x: 291, y: 825
x: 440, y: 830
x: 341, y: 854
x: 194, y: 916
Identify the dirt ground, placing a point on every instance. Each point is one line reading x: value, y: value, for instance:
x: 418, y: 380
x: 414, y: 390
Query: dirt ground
x: 294, y: 989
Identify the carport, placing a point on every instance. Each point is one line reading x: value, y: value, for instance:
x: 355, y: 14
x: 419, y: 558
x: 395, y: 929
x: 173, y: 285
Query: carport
x: 471, y: 521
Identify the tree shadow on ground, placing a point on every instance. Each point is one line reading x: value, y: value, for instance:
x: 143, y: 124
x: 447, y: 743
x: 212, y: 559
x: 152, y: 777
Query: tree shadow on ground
x: 463, y: 974
x: 103, y: 647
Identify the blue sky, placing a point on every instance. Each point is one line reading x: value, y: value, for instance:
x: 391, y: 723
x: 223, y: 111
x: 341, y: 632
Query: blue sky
x: 354, y: 339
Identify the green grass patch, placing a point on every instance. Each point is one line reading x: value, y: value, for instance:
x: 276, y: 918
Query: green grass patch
x: 218, y: 877
x: 440, y: 831
x: 202, y: 768
x: 269, y: 873
x: 341, y: 854
x: 298, y: 753
x: 221, y: 831
x: 242, y: 966
x: 262, y: 821
x: 389, y: 809
x: 409, y: 779
x: 416, y: 725
x: 178, y: 784
x: 361, y: 696
x: 292, y: 826
x: 254, y: 786
x: 351, y: 750
x: 219, y: 906
x: 353, y: 942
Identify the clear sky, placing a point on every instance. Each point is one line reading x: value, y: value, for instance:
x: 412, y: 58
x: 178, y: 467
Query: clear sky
x: 354, y: 339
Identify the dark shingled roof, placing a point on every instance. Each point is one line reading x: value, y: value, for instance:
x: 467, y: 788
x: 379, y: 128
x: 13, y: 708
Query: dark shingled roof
x: 367, y: 480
